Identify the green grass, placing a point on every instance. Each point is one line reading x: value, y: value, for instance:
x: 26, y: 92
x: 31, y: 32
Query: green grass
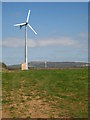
x: 65, y: 90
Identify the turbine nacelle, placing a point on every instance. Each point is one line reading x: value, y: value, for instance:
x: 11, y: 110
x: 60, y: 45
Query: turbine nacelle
x: 23, y: 25
x: 26, y: 23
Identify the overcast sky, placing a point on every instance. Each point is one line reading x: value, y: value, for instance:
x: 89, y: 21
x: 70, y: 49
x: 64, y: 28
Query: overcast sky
x: 62, y: 32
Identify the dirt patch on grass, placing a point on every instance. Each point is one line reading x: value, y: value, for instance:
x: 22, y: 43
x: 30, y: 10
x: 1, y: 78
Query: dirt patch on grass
x: 19, y: 105
x: 29, y: 107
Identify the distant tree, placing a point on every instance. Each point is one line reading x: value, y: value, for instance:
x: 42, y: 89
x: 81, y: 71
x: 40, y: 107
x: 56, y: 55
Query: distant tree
x: 4, y: 65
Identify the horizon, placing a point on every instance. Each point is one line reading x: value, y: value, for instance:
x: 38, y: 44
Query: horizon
x: 47, y: 62
x: 62, y: 32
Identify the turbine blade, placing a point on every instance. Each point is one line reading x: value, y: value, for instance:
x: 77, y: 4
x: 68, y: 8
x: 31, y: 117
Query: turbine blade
x: 32, y: 29
x: 21, y: 24
x: 28, y: 16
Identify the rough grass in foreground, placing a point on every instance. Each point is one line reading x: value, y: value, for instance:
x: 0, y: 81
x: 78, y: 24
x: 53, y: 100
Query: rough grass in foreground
x: 45, y: 93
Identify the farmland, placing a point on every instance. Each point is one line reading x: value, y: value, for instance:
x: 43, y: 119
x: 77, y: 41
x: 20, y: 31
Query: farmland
x: 45, y: 93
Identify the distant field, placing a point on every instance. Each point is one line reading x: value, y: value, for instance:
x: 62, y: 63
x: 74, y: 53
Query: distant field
x: 45, y: 93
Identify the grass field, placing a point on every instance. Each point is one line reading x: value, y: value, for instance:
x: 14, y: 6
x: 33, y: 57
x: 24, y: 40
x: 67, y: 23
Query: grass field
x: 45, y: 93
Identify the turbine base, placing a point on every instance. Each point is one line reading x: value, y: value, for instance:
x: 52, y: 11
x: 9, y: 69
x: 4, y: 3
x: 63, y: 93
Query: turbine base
x: 24, y: 66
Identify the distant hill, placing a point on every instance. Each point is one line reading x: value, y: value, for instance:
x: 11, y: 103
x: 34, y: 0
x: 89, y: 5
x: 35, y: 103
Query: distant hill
x: 56, y: 64
x: 39, y: 64
x: 14, y: 67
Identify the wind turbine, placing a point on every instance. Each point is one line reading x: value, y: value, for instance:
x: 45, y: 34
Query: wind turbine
x: 26, y: 24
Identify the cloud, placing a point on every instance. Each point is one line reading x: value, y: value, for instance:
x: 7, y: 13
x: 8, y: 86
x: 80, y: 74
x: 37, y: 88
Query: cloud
x: 62, y: 41
x: 17, y: 42
x: 83, y: 35
x: 13, y: 42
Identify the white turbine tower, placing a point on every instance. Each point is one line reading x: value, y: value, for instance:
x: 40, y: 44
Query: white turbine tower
x: 26, y: 24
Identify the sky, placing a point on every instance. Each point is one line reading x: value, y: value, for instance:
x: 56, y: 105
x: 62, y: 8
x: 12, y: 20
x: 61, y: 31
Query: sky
x: 62, y: 32
x: 45, y: 0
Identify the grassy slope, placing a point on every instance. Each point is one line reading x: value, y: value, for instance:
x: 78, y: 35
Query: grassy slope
x: 66, y: 92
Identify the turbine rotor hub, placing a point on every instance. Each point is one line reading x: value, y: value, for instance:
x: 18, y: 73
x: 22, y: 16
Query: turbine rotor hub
x: 26, y: 23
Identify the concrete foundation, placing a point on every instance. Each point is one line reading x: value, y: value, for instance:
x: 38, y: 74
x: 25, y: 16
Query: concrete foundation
x: 23, y: 66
